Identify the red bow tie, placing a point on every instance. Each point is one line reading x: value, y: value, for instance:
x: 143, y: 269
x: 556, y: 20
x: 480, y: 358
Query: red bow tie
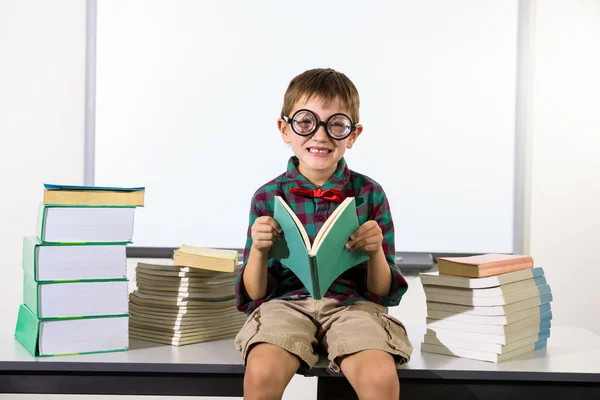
x: 334, y: 195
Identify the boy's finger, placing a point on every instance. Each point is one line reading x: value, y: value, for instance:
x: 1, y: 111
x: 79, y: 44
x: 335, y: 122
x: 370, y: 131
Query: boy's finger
x: 272, y: 223
x: 265, y: 228
x: 362, y: 242
x: 363, y: 230
x: 265, y: 236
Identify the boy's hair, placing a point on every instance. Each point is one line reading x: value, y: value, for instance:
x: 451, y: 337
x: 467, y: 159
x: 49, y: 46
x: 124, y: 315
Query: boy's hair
x: 328, y: 85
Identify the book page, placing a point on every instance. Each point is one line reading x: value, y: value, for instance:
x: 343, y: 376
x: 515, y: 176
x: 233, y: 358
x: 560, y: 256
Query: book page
x: 327, y: 225
x: 296, y: 221
x: 208, y: 252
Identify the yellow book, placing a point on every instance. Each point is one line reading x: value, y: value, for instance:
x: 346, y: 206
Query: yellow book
x: 205, y: 258
x: 93, y: 196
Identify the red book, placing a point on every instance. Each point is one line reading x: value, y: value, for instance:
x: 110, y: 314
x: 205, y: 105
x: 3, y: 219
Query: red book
x: 483, y: 265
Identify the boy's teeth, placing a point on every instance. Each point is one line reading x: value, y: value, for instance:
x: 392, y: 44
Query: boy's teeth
x: 319, y: 151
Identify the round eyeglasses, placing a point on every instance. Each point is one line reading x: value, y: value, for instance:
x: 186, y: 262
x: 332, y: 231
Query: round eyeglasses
x: 305, y: 122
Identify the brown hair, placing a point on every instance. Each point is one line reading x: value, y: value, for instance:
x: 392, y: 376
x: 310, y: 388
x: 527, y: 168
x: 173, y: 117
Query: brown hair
x: 327, y: 84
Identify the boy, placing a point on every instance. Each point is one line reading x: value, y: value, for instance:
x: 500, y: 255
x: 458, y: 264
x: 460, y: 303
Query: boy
x: 285, y: 325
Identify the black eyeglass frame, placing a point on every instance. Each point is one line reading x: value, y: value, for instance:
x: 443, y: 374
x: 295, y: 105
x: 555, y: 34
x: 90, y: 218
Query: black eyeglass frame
x: 319, y: 123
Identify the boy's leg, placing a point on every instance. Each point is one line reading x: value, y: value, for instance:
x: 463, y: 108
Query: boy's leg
x: 269, y: 369
x: 367, y: 345
x: 372, y: 374
x: 276, y: 340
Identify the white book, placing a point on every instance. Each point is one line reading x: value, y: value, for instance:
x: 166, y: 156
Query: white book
x: 491, y: 310
x: 85, y: 224
x: 71, y: 336
x: 435, y: 278
x: 76, y: 299
x: 486, y: 347
x: 488, y: 319
x: 535, y: 291
x: 488, y: 292
x: 481, y: 355
x: 49, y: 262
x: 505, y: 338
x: 490, y: 329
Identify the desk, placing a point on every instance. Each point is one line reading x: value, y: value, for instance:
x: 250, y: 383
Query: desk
x: 569, y: 368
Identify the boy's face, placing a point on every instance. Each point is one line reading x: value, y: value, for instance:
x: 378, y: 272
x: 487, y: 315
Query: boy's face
x: 318, y: 153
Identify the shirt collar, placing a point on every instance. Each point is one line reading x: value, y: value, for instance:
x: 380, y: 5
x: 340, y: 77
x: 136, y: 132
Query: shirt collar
x: 339, y: 178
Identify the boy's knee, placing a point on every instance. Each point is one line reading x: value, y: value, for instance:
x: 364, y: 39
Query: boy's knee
x: 379, y: 382
x: 268, y: 371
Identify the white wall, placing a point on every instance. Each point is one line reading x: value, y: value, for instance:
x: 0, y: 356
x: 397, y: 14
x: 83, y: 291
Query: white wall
x: 42, y: 70
x: 565, y: 160
x: 41, y: 132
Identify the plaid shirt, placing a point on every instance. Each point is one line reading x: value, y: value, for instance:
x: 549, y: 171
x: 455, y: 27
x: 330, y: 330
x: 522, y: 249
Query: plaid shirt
x: 351, y: 286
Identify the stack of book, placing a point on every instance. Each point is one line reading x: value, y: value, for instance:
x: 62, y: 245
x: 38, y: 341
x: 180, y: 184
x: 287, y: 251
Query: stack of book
x: 189, y: 302
x: 489, y: 307
x: 75, y: 283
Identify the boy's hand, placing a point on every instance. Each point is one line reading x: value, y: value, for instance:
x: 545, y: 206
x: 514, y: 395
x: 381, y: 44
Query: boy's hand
x: 368, y: 238
x: 265, y: 232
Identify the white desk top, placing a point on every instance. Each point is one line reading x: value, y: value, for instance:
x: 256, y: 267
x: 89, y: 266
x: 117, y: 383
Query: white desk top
x: 572, y: 354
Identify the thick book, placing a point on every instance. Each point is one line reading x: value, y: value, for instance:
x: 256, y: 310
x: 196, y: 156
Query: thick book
x: 502, y: 290
x: 437, y: 279
x: 319, y: 264
x: 85, y: 224
x: 502, y: 338
x: 483, y: 265
x: 47, y: 262
x: 221, y: 260
x: 75, y: 299
x: 505, y: 299
x: 431, y: 338
x: 491, y: 329
x: 482, y: 355
x: 69, y: 336
x: 93, y: 195
x: 181, y: 339
x: 488, y: 319
x: 506, y: 309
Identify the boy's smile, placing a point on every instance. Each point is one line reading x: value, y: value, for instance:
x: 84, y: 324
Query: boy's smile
x: 318, y: 153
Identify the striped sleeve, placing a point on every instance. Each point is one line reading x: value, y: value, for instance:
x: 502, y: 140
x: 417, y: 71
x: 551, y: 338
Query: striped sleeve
x: 381, y: 213
x: 244, y: 303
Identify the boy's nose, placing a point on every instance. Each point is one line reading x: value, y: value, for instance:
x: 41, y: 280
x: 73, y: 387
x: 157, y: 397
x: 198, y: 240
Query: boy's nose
x: 321, y: 134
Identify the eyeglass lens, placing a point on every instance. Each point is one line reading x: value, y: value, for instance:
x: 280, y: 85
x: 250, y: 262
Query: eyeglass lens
x: 304, y: 122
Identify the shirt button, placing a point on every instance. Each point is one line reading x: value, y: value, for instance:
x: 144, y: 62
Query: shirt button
x: 320, y: 218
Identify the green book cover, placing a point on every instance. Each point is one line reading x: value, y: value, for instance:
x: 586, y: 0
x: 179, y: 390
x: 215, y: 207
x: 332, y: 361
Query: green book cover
x: 29, y: 328
x: 30, y: 259
x: 42, y: 223
x: 31, y: 293
x: 319, y: 264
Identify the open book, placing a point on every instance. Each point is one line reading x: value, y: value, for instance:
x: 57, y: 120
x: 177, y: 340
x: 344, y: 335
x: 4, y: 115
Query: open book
x: 318, y: 264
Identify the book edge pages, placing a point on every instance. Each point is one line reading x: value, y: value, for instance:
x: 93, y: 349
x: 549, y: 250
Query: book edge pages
x: 328, y: 224
x: 299, y: 225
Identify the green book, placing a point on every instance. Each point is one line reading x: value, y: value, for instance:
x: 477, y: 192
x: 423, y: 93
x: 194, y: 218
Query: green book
x: 48, y: 262
x: 85, y: 224
x: 75, y: 299
x: 69, y: 336
x: 318, y: 264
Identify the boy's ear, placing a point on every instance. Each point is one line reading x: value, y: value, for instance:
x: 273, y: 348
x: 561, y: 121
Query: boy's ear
x: 282, y: 127
x: 354, y: 136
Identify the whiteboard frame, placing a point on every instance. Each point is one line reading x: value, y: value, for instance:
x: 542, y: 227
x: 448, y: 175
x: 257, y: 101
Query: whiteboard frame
x: 525, y: 32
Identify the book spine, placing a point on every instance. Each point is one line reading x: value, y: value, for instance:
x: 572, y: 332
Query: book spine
x: 41, y: 222
x: 30, y: 294
x: 29, y: 262
x: 27, y: 330
x: 314, y: 274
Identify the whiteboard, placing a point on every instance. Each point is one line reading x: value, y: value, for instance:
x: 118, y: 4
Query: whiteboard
x: 188, y: 94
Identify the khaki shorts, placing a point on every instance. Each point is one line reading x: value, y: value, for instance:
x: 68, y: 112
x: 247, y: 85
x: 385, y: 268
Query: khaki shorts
x: 303, y: 327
